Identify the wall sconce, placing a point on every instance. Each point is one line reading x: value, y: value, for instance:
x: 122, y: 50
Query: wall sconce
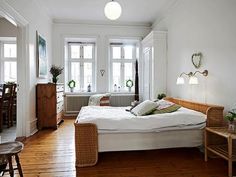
x: 193, y: 80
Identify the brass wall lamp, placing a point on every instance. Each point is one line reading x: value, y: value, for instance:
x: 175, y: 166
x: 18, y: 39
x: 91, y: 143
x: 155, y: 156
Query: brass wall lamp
x: 193, y: 80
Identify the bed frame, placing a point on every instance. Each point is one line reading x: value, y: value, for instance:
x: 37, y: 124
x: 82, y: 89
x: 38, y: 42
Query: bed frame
x: 86, y: 134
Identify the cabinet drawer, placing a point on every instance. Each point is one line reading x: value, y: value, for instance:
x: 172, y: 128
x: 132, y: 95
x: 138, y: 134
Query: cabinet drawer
x: 60, y: 97
x: 60, y: 107
x: 60, y: 88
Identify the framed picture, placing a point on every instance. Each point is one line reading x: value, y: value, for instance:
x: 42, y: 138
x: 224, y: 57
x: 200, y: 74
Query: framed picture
x: 42, y: 69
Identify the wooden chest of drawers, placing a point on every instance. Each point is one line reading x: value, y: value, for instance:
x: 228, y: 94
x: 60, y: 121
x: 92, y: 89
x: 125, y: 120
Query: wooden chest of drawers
x: 50, y: 105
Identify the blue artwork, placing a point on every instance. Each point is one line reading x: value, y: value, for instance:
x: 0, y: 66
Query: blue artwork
x: 42, y: 57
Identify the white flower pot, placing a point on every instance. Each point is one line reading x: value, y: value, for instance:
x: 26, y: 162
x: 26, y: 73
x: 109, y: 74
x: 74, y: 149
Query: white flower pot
x: 231, y: 127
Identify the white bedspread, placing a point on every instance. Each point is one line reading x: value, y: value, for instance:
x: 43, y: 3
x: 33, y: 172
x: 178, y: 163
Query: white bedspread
x: 116, y: 119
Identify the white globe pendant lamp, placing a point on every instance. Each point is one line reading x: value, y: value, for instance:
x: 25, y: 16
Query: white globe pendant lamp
x: 112, y: 10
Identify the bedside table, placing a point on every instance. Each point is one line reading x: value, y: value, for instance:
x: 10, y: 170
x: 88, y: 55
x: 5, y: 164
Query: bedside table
x: 226, y: 151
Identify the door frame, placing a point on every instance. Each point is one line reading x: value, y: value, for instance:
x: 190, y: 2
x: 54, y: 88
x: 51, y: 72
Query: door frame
x: 23, y: 76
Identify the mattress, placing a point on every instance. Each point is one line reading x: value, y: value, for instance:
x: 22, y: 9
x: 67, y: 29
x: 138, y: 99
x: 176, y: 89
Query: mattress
x: 118, y: 120
x: 150, y: 140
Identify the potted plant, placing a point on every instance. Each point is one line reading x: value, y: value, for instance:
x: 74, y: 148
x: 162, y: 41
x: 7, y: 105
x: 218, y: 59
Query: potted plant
x: 230, y: 117
x: 55, y: 71
x: 161, y: 96
x: 129, y: 84
x: 71, y: 85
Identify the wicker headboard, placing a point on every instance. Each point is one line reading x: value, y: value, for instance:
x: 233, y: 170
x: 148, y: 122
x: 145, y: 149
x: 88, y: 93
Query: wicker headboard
x: 214, y: 113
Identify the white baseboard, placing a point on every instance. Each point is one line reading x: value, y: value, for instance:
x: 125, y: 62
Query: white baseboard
x: 33, y: 126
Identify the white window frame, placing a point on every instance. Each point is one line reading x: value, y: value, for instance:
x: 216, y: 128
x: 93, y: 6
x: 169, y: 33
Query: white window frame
x: 82, y: 60
x: 122, y: 61
x: 5, y: 59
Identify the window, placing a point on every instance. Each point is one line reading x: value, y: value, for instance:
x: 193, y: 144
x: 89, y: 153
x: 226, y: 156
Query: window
x: 122, y: 57
x: 81, y: 65
x: 8, y: 62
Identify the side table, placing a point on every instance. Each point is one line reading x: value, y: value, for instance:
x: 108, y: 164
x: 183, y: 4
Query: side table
x: 226, y: 151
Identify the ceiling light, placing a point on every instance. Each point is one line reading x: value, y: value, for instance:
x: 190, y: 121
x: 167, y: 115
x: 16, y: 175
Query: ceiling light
x: 112, y: 10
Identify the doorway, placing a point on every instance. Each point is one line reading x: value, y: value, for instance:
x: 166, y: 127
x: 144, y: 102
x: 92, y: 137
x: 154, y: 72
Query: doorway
x: 8, y: 80
x: 22, y: 47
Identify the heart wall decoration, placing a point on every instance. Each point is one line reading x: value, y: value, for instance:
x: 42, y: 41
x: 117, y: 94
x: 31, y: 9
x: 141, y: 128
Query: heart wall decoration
x: 197, y: 59
x: 102, y: 71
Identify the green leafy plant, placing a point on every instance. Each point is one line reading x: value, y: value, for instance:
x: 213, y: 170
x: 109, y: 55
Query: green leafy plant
x: 10, y: 83
x: 129, y: 83
x: 71, y: 84
x: 231, y: 116
x: 161, y: 96
x: 55, y: 71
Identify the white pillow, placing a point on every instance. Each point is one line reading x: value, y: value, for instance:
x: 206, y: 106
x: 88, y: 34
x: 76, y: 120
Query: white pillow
x: 144, y: 108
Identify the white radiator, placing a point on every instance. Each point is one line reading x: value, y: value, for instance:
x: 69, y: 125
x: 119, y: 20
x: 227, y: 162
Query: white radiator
x: 73, y: 103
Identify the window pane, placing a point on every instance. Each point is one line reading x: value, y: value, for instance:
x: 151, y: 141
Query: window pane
x: 116, y: 51
x: 10, y: 50
x: 75, y: 74
x: 75, y: 51
x: 128, y: 74
x: 87, y: 75
x: 128, y: 52
x: 116, y: 74
x: 88, y: 51
x: 10, y: 71
x: 137, y: 52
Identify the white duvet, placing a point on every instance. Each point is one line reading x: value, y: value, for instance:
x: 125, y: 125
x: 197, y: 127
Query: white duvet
x: 117, y: 119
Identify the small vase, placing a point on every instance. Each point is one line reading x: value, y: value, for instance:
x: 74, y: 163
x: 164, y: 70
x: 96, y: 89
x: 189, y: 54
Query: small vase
x: 72, y: 89
x: 231, y: 127
x: 129, y: 89
x: 54, y: 80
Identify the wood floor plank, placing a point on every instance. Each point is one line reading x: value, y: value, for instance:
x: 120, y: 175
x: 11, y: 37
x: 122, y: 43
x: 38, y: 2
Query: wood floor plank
x: 50, y: 153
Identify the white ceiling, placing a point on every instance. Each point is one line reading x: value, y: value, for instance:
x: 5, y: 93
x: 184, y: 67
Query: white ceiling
x: 136, y: 11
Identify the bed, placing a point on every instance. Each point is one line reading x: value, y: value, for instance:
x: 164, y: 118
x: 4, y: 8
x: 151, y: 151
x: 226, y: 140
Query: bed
x: 101, y: 129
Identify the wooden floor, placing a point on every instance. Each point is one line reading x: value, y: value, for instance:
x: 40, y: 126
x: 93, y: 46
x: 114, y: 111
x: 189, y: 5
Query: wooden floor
x: 51, y: 153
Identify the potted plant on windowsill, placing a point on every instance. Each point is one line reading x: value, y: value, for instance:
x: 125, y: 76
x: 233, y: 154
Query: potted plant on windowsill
x: 231, y: 117
x: 71, y: 85
x: 129, y: 84
x: 55, y: 71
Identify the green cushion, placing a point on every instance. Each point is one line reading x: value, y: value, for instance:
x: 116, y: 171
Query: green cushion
x: 170, y: 109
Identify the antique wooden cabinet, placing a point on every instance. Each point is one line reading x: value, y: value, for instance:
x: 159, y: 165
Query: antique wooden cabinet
x: 50, y: 104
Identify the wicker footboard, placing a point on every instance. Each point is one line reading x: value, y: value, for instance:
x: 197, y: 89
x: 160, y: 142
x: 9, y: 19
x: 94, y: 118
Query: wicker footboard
x: 86, y: 144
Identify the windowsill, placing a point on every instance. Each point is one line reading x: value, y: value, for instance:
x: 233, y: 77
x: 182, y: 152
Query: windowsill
x: 122, y: 93
x: 81, y: 93
x: 92, y: 93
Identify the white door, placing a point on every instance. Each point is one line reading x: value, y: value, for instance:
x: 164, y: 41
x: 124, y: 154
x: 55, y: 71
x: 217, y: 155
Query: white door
x: 146, y: 73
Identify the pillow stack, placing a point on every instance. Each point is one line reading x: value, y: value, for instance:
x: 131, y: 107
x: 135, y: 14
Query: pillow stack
x: 150, y: 107
x: 166, y: 107
x: 144, y: 108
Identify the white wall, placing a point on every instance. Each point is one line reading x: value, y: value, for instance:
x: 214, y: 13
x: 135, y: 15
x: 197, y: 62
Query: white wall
x: 37, y: 20
x: 208, y: 26
x: 102, y: 33
x: 7, y: 29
